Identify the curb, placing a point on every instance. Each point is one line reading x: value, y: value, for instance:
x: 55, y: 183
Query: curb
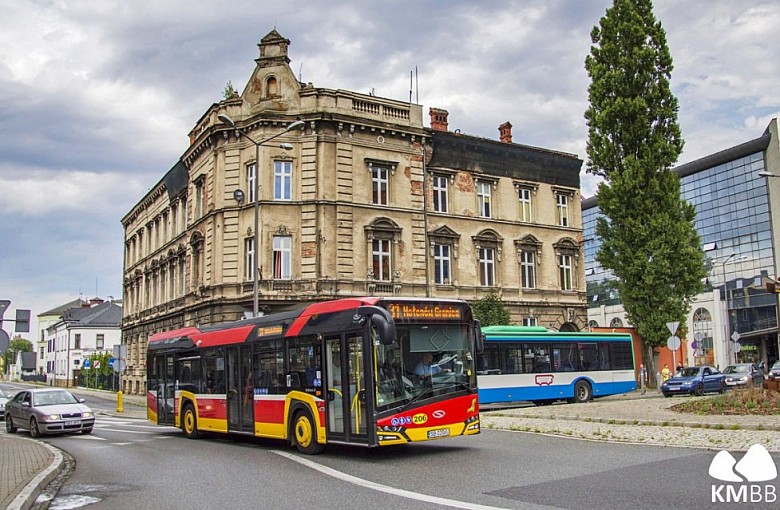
x: 27, y: 496
x: 657, y: 423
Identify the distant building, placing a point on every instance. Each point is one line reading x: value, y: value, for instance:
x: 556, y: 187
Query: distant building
x: 736, y: 193
x: 44, y: 348
x: 93, y: 328
x: 365, y: 201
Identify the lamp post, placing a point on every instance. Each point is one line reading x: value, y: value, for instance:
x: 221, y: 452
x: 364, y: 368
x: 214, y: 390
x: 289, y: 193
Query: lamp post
x: 727, y: 317
x: 298, y: 124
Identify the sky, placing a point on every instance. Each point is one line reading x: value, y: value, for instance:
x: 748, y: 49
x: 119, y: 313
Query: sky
x: 97, y: 96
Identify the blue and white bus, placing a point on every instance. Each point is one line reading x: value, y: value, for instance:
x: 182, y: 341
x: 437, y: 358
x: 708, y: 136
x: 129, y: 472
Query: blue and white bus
x: 522, y: 363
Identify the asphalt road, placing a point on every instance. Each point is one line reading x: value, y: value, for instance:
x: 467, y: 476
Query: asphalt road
x: 128, y: 463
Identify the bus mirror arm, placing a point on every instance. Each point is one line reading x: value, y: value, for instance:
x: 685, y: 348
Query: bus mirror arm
x: 382, y: 321
x: 479, y: 337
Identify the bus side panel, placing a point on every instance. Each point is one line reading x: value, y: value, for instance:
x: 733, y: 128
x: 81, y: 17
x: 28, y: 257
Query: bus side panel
x: 270, y: 420
x: 212, y: 412
x: 151, y: 407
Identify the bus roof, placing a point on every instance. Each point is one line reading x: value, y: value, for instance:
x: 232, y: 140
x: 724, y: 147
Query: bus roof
x: 541, y: 334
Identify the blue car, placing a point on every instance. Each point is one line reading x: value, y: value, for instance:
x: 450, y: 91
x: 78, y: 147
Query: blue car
x: 694, y: 381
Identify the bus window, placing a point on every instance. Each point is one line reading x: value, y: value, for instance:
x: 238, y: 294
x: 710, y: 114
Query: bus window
x: 588, y: 357
x: 214, y: 368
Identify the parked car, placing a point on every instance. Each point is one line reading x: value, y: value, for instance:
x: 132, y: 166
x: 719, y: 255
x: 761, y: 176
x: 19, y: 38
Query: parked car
x: 3, y: 399
x: 774, y: 372
x: 745, y: 375
x: 48, y: 411
x: 694, y: 381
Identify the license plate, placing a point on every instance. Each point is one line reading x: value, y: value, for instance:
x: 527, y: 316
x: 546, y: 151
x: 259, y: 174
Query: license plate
x: 432, y: 434
x: 674, y: 389
x: 72, y: 422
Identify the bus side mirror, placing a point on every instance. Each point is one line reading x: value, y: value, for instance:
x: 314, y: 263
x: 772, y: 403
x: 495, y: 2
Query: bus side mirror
x: 380, y: 318
x: 479, y: 338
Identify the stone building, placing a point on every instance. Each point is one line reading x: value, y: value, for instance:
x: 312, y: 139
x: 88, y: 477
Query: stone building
x: 342, y: 213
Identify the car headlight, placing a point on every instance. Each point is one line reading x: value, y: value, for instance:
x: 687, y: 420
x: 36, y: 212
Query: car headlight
x: 744, y: 378
x: 53, y: 417
x: 87, y: 415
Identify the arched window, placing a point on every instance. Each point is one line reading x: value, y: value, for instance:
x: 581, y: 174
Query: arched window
x: 616, y: 323
x: 701, y: 345
x: 592, y: 324
x: 271, y: 87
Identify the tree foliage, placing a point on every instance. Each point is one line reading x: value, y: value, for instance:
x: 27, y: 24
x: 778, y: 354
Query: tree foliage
x: 647, y: 231
x: 230, y: 92
x: 490, y: 311
x: 16, y: 345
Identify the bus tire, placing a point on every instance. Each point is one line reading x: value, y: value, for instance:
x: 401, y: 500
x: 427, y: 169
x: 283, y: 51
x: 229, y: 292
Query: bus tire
x: 582, y: 392
x: 305, y: 434
x: 189, y: 422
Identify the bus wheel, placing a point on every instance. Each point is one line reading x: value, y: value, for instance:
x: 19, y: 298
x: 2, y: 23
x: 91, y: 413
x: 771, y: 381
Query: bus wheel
x: 582, y: 392
x: 189, y: 422
x: 304, y: 433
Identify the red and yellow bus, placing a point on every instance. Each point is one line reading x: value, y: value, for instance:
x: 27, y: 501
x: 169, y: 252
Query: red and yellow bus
x: 366, y: 371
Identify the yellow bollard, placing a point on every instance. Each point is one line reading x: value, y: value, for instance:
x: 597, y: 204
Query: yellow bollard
x: 119, y: 407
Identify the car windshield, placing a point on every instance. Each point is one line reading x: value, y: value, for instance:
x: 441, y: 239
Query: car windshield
x: 688, y: 372
x: 736, y: 369
x: 53, y: 398
x: 2, y: 394
x: 776, y: 366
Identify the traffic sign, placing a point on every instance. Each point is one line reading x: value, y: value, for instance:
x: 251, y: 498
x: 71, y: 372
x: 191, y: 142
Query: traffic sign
x: 97, y: 364
x: 119, y: 365
x: 673, y: 327
x: 737, y: 347
x: 735, y: 337
x: 86, y: 364
x: 673, y: 343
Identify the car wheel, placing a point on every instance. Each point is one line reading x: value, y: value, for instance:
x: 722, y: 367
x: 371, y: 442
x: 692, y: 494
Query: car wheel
x: 34, y: 431
x: 9, y: 425
x: 667, y: 395
x: 86, y: 431
x: 699, y: 391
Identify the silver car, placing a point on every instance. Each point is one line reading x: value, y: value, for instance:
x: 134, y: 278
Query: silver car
x: 48, y: 411
x: 3, y: 399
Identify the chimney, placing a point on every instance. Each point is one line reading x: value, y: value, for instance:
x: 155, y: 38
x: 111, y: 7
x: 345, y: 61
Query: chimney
x: 505, y: 132
x: 438, y: 119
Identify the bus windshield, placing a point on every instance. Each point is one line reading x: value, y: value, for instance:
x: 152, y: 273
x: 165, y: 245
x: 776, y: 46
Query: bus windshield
x: 424, y: 359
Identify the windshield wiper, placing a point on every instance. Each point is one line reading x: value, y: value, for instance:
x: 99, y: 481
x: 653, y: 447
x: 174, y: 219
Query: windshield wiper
x: 416, y: 398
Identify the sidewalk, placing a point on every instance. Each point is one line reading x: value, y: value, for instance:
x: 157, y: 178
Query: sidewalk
x: 639, y: 419
x: 29, y: 465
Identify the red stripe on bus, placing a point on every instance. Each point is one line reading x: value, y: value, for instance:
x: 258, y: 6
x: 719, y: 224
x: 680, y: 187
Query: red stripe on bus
x: 326, y: 307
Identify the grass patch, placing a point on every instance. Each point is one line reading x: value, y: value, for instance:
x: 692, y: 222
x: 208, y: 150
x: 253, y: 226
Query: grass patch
x: 754, y: 401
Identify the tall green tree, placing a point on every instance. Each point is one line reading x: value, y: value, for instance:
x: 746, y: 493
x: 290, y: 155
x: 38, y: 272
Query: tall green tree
x: 647, y: 231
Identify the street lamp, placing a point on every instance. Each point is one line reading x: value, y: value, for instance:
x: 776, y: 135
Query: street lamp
x: 298, y: 124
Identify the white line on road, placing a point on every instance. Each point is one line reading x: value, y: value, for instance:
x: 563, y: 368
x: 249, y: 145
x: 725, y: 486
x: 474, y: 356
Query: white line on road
x: 384, y: 488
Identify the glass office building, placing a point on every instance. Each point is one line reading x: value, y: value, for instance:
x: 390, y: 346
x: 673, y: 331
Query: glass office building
x: 733, y: 192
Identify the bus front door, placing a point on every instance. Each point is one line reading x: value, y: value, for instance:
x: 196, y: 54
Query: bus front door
x: 166, y: 387
x: 346, y: 416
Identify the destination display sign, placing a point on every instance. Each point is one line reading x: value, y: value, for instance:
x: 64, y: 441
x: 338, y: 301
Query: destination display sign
x: 423, y: 312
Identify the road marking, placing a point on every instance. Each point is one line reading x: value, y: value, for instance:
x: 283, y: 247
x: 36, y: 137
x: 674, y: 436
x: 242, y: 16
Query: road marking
x: 384, y: 488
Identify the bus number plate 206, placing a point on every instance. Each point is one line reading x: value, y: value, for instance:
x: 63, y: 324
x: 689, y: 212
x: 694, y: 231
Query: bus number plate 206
x: 432, y: 434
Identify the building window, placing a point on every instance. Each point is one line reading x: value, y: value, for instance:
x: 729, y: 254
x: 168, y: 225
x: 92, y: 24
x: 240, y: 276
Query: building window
x: 379, y: 184
x: 249, y: 259
x: 100, y: 341
x: 525, y: 205
x: 251, y: 175
x: 529, y: 321
x: 562, y: 202
x: 77, y: 341
x: 487, y: 268
x: 381, y: 259
x: 183, y: 275
x: 199, y: 197
x: 282, y: 257
x: 616, y: 323
x: 440, y: 193
x: 441, y: 264
x: 528, y: 269
x: 282, y: 180
x: 565, y: 271
x: 483, y: 199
